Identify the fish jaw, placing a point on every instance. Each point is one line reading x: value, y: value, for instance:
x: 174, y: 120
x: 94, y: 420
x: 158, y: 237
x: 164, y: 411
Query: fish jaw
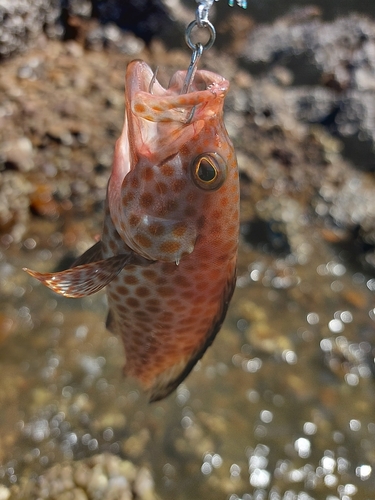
x: 153, y: 201
x: 162, y: 121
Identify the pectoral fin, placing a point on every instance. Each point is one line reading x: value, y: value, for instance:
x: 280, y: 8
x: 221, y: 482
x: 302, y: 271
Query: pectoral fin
x: 85, y: 279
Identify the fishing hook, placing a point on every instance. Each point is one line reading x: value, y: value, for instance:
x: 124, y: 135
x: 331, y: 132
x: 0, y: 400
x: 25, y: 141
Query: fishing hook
x: 197, y: 48
x: 201, y: 21
x: 153, y: 80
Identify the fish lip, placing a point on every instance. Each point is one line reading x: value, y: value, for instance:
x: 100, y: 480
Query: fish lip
x: 142, y: 75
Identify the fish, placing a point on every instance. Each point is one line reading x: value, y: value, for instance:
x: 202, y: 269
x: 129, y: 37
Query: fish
x: 168, y: 249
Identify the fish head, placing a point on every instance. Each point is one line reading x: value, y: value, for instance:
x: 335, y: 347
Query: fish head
x: 171, y: 162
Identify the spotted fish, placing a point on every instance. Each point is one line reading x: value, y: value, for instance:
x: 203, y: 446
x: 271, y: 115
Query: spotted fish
x: 168, y: 249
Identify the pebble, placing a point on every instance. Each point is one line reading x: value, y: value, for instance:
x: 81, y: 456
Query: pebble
x: 18, y: 153
x: 101, y: 477
x: 4, y: 492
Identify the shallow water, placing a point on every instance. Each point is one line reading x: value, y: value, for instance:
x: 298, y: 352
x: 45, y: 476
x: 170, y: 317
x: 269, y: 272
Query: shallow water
x: 282, y: 406
x: 283, y: 402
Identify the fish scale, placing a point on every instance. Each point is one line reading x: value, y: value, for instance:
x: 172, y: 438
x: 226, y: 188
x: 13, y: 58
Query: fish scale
x: 170, y: 235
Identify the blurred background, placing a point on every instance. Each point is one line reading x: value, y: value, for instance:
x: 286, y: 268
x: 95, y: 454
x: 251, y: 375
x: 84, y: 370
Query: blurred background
x: 282, y: 406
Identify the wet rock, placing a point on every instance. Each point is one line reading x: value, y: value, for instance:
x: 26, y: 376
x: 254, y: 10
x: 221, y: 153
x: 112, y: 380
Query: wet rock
x: 260, y: 332
x: 101, y: 477
x: 144, y: 484
x: 338, y: 60
x: 135, y: 445
x: 7, y: 327
x: 145, y: 19
x: 110, y: 36
x: 4, y: 493
x: 295, y: 139
x: 18, y: 154
x: 22, y: 21
x: 14, y: 204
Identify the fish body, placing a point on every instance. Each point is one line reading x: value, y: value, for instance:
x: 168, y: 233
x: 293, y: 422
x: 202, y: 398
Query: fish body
x: 168, y: 249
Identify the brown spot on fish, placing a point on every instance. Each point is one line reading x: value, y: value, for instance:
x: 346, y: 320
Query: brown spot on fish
x: 170, y: 246
x: 128, y: 198
x: 139, y: 108
x: 191, y: 197
x: 153, y: 309
x: 167, y: 170
x: 165, y: 291
x: 146, y: 200
x: 190, y: 211
x: 168, y: 269
x: 142, y: 291
x: 178, y: 185
x: 215, y: 229
x: 147, y: 174
x: 134, y: 220
x: 179, y: 229
x: 153, y: 302
x: 134, y: 182
x: 150, y: 274
x: 131, y: 280
x: 224, y: 201
x: 181, y: 280
x: 143, y: 240
x: 217, y: 214
x: 132, y: 302
x: 156, y: 229
x: 201, y: 222
x: 172, y: 205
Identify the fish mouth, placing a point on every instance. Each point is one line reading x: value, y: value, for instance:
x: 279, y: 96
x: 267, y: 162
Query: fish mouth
x: 151, y: 101
x: 159, y: 121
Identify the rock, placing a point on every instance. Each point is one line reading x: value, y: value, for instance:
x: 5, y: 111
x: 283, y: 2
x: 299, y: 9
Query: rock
x: 334, y: 64
x: 144, y: 484
x: 145, y: 19
x: 14, y: 204
x: 18, y: 154
x: 101, y: 477
x: 135, y: 445
x: 22, y: 21
x: 4, y: 492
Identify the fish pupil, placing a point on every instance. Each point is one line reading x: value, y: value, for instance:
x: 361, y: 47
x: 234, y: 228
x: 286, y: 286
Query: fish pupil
x: 206, y: 171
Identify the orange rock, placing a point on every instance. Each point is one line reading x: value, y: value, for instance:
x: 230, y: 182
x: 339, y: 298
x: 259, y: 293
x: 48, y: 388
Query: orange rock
x: 42, y: 202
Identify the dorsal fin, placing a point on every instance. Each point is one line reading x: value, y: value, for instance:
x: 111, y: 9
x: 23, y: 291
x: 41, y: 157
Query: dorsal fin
x: 93, y: 254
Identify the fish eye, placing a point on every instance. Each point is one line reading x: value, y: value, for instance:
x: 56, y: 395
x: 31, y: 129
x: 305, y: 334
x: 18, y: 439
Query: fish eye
x: 209, y: 171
